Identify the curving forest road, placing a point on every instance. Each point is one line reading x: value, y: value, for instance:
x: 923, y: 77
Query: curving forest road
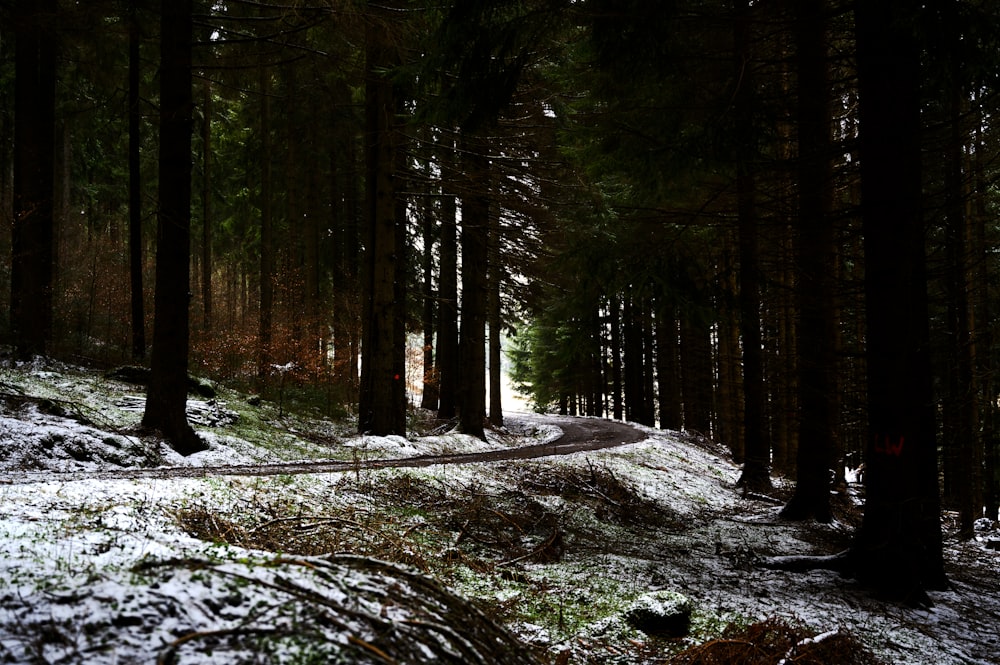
x: 579, y: 435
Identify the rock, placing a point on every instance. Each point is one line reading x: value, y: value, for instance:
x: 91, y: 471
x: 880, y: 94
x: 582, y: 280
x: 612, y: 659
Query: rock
x: 661, y: 614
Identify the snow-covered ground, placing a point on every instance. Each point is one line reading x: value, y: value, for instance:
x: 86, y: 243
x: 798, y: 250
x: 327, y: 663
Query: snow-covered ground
x: 111, y: 571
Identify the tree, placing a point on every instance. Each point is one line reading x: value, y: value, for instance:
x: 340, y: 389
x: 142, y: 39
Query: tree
x: 475, y: 258
x: 138, y: 310
x: 898, y: 548
x: 757, y: 458
x: 266, y: 313
x: 447, y: 360
x: 34, y: 168
x: 814, y: 271
x: 166, y: 397
x: 382, y: 406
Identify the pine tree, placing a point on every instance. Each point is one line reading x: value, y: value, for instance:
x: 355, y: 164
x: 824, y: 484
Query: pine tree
x: 166, y: 397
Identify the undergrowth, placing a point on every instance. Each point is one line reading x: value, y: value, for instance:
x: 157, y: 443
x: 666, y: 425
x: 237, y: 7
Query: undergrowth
x: 512, y: 544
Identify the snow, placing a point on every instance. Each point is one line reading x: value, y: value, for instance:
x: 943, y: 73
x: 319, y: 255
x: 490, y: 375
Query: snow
x: 102, y: 571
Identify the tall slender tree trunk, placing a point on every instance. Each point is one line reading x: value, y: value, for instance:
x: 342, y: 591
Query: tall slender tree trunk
x: 138, y: 310
x: 667, y: 366
x: 648, y: 365
x: 696, y: 372
x: 430, y: 392
x: 494, y: 324
x: 381, y: 373
x: 264, y: 325
x: 815, y: 269
x: 447, y: 347
x: 961, y: 356
x: 757, y: 459
x: 34, y: 172
x: 206, y: 205
x: 632, y: 347
x: 614, y: 315
x: 475, y: 242
x: 898, y: 549
x: 166, y: 397
x: 983, y: 338
x: 730, y: 383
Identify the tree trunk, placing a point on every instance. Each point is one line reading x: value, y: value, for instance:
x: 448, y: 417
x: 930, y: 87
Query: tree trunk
x: 757, y: 460
x: 961, y: 379
x: 206, y: 205
x: 632, y: 341
x: 430, y: 392
x: 475, y: 241
x: 730, y: 383
x: 667, y: 372
x: 494, y: 324
x: 815, y: 269
x: 614, y: 314
x: 696, y: 372
x: 381, y: 375
x: 166, y: 397
x: 898, y: 549
x: 264, y: 358
x: 34, y: 172
x: 447, y: 349
x: 983, y: 339
x: 138, y: 310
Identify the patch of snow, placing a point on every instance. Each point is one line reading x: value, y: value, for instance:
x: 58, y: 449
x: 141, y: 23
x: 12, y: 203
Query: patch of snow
x: 86, y: 573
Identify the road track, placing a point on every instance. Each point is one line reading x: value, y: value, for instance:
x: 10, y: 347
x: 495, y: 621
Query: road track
x: 579, y: 435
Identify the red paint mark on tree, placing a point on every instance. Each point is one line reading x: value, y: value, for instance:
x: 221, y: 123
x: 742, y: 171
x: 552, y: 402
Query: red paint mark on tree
x: 888, y: 445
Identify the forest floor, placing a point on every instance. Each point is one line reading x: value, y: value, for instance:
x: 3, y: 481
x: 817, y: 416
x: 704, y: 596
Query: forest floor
x: 293, y: 540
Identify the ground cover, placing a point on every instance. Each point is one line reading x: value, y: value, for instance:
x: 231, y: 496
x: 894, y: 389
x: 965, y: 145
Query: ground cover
x: 568, y: 559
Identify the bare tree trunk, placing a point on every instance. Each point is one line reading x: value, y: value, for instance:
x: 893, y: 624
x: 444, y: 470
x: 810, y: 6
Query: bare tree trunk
x: 475, y: 242
x: 447, y: 349
x: 614, y: 314
x: 166, y: 397
x: 381, y: 374
x: 494, y: 323
x: 815, y: 268
x: 757, y: 461
x: 138, y: 310
x: 430, y: 392
x: 898, y: 549
x: 33, y: 236
x: 961, y: 358
x: 264, y: 327
x: 206, y: 205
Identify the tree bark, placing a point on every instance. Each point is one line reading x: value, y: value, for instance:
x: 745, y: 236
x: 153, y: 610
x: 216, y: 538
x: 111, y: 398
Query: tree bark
x: 138, y: 310
x: 757, y: 460
x: 264, y: 324
x: 961, y: 381
x: 34, y: 173
x: 614, y: 314
x: 430, y: 392
x: 898, y: 549
x: 381, y: 372
x: 447, y: 348
x: 493, y: 316
x: 166, y: 397
x: 206, y: 205
x: 667, y: 372
x: 815, y: 269
x: 475, y: 242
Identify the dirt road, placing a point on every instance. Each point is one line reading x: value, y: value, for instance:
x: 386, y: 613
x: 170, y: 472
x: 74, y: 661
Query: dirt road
x: 579, y: 435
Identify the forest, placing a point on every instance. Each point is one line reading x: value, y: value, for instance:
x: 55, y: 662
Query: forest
x: 771, y: 223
